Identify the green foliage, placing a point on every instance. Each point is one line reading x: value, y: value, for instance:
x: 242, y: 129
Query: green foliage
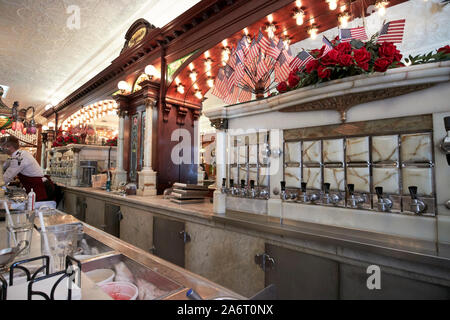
x: 428, y: 58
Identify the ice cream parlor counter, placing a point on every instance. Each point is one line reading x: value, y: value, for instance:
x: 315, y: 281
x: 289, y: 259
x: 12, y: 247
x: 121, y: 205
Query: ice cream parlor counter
x: 248, y: 252
x: 154, y: 278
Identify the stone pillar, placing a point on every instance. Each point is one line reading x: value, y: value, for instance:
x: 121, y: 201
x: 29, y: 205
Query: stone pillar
x: 43, y: 154
x: 147, y: 177
x: 120, y: 175
x: 197, y: 149
x: 220, y: 199
x: 75, y: 179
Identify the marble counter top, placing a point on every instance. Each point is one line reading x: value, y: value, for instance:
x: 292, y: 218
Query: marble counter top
x: 270, y: 227
x: 90, y: 291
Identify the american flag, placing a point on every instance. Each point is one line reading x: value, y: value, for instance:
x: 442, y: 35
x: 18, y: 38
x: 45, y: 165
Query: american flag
x: 328, y: 46
x: 347, y: 35
x: 245, y: 44
x: 239, y: 69
x: 282, y: 69
x: 230, y: 78
x: 252, y: 52
x: 240, y: 51
x: 246, y: 94
x: 273, y: 50
x: 219, y: 84
x: 301, y: 60
x: 264, y: 44
x: 392, y: 32
x: 261, y: 68
x: 232, y: 97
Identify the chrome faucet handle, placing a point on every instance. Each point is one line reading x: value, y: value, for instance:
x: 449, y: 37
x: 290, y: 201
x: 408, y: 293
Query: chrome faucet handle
x: 334, y: 198
x: 417, y: 205
x: 283, y: 194
x: 326, y: 193
x: 304, y: 198
x: 224, y: 186
x: 253, y: 192
x: 384, y: 203
x: 233, y: 189
x: 353, y: 200
x: 243, y: 190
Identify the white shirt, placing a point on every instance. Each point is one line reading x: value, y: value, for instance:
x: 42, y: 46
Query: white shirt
x: 21, y: 162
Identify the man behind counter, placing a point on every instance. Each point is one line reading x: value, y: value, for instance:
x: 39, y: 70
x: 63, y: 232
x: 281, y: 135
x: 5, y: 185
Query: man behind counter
x: 23, y: 165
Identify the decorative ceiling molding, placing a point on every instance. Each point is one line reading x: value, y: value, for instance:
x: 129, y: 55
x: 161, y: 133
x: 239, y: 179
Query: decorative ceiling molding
x: 43, y: 58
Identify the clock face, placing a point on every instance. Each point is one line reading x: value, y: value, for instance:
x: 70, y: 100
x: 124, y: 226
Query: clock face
x: 137, y: 37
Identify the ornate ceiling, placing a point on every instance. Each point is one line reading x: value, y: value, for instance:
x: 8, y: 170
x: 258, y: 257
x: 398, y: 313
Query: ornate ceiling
x: 42, y: 59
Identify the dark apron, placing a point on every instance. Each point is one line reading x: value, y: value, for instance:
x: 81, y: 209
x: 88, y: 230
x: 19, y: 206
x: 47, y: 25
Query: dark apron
x: 36, y: 184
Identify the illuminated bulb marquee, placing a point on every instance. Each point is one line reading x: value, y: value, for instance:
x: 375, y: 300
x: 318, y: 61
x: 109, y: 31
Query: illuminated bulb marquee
x: 91, y: 113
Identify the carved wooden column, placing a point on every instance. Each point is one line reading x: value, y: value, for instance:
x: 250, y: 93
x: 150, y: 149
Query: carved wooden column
x: 220, y: 199
x: 147, y: 177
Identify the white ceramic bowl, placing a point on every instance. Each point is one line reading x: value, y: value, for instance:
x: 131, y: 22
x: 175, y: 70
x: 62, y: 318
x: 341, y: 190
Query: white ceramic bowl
x: 120, y: 290
x: 101, y: 276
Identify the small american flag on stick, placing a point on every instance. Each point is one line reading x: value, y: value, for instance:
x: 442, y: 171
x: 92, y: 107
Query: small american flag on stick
x: 328, y: 46
x: 301, y: 60
x: 392, y: 32
x: 347, y: 35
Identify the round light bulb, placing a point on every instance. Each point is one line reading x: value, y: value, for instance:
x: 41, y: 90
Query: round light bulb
x: 151, y: 71
x: 332, y: 4
x: 123, y: 85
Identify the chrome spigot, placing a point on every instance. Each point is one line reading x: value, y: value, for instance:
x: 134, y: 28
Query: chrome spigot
x: 315, y: 197
x: 233, y: 190
x: 354, y: 201
x: 243, y: 191
x: 224, y: 186
x: 330, y: 198
x: 417, y: 205
x: 253, y: 192
x: 445, y: 144
x: 304, y: 197
x: 384, y: 203
x: 283, y: 195
x: 264, y: 193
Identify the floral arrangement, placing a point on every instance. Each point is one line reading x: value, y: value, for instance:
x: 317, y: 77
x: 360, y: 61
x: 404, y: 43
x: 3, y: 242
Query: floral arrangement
x: 111, y: 142
x: 353, y: 58
x: 65, y: 140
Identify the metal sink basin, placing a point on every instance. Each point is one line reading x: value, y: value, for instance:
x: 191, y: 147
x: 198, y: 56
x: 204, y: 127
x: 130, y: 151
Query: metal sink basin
x: 89, y: 247
x: 151, y: 285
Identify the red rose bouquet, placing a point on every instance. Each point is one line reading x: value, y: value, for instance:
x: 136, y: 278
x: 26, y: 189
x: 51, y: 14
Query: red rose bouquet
x: 66, y: 140
x: 111, y: 142
x: 353, y: 58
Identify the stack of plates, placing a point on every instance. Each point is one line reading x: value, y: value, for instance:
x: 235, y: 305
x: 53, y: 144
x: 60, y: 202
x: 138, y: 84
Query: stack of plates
x: 188, y: 193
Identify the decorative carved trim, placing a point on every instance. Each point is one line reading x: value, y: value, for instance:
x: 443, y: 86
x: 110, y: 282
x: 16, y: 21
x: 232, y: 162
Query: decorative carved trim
x: 166, y: 108
x: 150, y: 103
x: 122, y: 113
x: 196, y: 113
x: 344, y: 102
x: 220, y: 124
x: 181, y: 115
